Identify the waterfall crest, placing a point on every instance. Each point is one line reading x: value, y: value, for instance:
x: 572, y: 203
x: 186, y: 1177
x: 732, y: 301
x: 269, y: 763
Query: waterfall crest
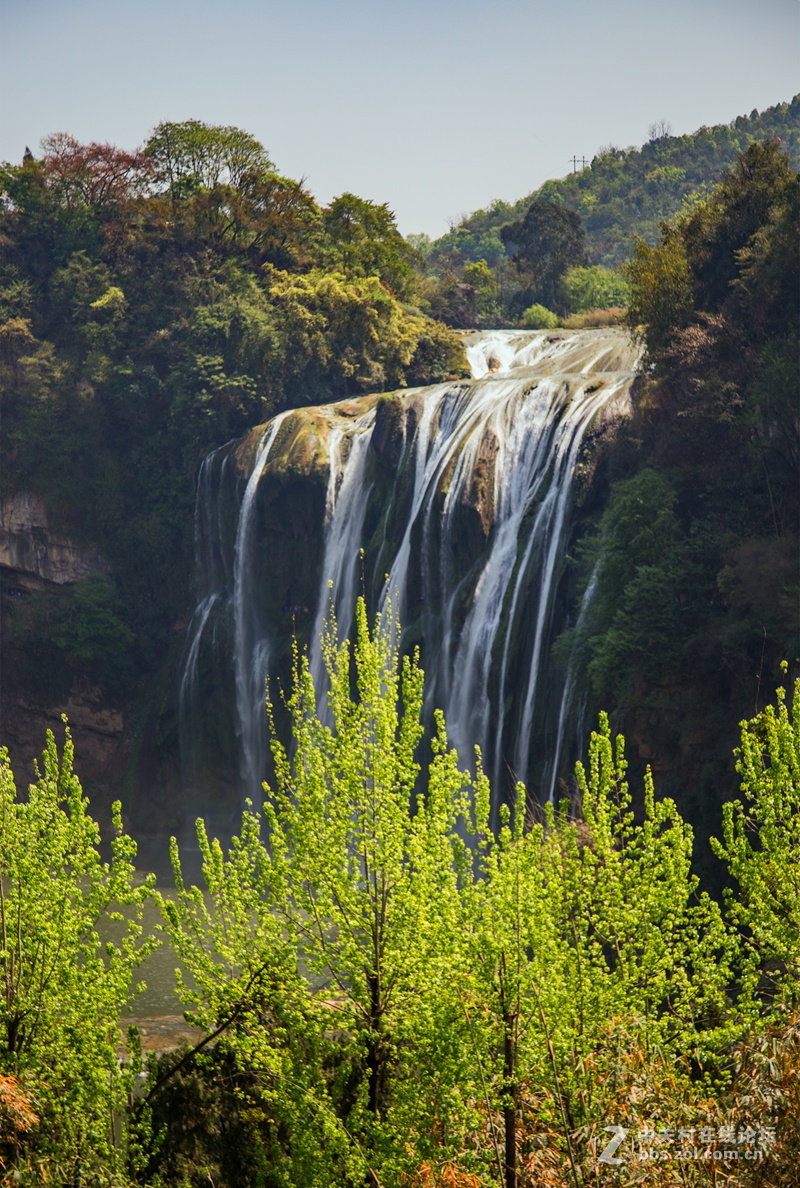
x: 459, y: 496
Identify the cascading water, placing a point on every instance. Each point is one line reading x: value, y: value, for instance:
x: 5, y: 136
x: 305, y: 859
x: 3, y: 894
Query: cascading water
x: 568, y: 698
x: 224, y: 582
x: 211, y: 579
x: 459, y: 496
x: 345, y: 507
x: 251, y: 639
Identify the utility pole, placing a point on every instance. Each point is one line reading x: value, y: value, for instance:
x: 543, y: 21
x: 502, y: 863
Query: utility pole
x: 575, y: 161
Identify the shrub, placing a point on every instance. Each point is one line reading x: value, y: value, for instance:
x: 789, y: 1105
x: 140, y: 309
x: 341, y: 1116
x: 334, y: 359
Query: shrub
x: 538, y: 317
x: 593, y: 288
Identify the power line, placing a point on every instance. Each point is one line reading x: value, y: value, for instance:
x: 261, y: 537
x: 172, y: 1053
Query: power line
x: 575, y: 161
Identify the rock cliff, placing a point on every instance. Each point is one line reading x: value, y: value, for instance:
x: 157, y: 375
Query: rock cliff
x: 35, y: 555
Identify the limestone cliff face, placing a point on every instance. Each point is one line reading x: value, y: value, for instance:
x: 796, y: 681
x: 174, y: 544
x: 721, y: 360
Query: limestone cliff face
x: 97, y: 732
x: 34, y: 553
x: 33, y: 556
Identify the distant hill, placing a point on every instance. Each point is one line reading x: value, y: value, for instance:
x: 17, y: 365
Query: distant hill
x: 625, y: 192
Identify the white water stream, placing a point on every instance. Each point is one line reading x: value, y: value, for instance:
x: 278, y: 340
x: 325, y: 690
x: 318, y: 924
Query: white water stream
x: 251, y: 640
x: 499, y: 451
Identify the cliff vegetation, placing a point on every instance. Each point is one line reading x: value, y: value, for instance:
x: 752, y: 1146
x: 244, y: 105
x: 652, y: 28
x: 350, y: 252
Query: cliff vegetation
x: 153, y: 305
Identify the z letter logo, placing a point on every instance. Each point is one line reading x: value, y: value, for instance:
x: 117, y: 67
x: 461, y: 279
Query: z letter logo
x: 607, y: 1156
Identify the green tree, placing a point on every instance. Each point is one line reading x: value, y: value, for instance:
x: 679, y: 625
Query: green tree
x: 342, y: 930
x: 451, y: 301
x: 593, y: 288
x: 547, y: 241
x: 487, y: 295
x: 537, y: 317
x: 365, y: 242
x: 62, y: 989
x: 717, y: 230
x: 81, y: 627
x: 367, y: 880
x: 240, y: 979
x: 192, y: 154
x: 577, y: 929
x: 342, y: 334
x: 695, y: 268
x: 661, y: 289
x: 401, y: 985
x: 635, y: 557
x: 761, y: 843
x: 269, y: 218
x: 439, y: 355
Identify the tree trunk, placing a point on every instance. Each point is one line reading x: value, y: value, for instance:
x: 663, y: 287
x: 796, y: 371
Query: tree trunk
x: 376, y: 1051
x: 509, y: 1100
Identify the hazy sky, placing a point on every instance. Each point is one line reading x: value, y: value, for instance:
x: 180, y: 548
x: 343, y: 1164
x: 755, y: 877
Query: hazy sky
x: 433, y: 106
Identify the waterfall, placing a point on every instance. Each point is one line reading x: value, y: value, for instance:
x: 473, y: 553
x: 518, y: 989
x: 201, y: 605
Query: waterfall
x: 345, y: 507
x: 251, y: 640
x: 211, y: 578
x: 567, y: 705
x: 223, y: 579
x: 459, y: 498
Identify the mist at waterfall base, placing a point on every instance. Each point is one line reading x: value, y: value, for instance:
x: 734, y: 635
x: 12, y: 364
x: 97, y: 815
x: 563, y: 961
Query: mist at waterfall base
x: 457, y: 501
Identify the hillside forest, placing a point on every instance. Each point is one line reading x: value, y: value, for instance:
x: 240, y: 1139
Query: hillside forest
x: 622, y: 195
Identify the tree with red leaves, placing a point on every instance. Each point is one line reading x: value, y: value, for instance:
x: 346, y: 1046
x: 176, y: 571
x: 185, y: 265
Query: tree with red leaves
x: 98, y: 175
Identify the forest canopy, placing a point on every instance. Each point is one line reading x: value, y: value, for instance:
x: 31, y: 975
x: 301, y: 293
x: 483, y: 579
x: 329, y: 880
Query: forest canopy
x: 159, y: 302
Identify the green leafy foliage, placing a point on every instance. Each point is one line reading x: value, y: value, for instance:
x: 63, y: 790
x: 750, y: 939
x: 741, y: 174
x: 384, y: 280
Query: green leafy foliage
x: 538, y: 317
x: 193, y: 154
x: 367, y: 887
x: 341, y: 334
x: 476, y: 237
x: 204, y: 1124
x: 78, y: 627
x: 360, y: 894
x: 397, y: 982
x: 700, y: 258
x: 365, y: 242
x: 543, y: 245
x: 593, y: 288
x: 635, y: 556
x: 661, y: 287
x: 474, y: 300
x: 157, y: 304
x: 388, y: 988
x: 578, y: 928
x: 64, y: 988
x: 761, y: 842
